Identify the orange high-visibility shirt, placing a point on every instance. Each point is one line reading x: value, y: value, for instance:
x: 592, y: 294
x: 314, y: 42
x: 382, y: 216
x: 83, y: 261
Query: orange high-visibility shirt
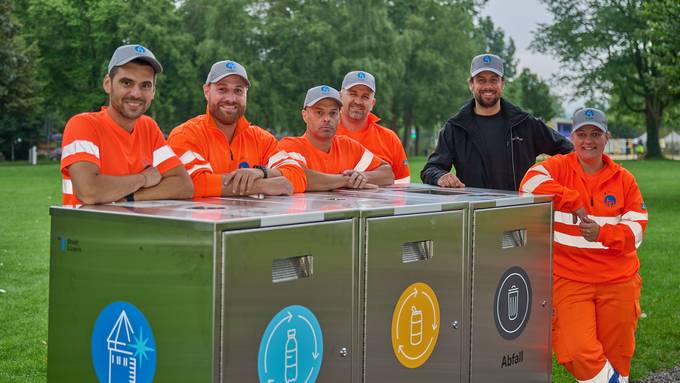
x: 206, y: 153
x: 97, y: 138
x: 611, y: 198
x: 384, y: 143
x: 345, y: 153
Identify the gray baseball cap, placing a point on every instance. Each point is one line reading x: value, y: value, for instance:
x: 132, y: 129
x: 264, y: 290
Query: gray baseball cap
x: 126, y: 53
x: 485, y: 62
x: 589, y: 116
x: 320, y: 92
x: 359, y: 77
x: 222, y: 69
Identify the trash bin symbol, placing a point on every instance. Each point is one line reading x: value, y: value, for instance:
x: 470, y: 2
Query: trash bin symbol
x: 291, y: 362
x: 416, y: 326
x: 513, y: 302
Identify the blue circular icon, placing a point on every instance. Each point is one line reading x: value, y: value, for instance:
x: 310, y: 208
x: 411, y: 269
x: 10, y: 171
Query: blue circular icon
x: 230, y: 65
x: 590, y: 113
x: 140, y: 49
x: 325, y: 89
x: 487, y: 59
x: 361, y: 75
x: 123, y: 345
x: 291, y: 349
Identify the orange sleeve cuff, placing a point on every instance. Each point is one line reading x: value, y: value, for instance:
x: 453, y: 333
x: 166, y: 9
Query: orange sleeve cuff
x: 207, y: 185
x: 296, y: 176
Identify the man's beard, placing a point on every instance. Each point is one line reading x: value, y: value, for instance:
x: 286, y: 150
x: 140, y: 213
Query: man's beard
x: 227, y: 118
x: 486, y: 104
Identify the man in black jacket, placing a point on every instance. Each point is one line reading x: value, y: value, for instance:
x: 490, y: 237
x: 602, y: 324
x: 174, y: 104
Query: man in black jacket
x: 490, y: 142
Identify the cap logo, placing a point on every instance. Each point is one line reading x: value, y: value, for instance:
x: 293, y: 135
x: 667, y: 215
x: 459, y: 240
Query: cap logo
x: 590, y: 113
x: 486, y: 59
x: 140, y: 49
x: 361, y: 75
x: 230, y: 65
x: 325, y: 89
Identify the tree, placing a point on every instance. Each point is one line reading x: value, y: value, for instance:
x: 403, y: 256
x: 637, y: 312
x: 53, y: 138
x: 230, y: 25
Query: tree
x: 495, y: 43
x: 20, y: 99
x: 532, y: 94
x: 608, y: 48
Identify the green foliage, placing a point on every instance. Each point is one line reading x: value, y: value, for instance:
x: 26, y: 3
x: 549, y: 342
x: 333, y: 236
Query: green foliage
x: 532, y: 94
x: 607, y: 48
x: 20, y: 99
x: 495, y: 43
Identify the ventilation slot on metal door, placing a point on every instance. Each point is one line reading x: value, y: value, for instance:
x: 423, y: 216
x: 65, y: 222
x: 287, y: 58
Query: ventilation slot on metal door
x: 514, y: 238
x: 290, y: 269
x: 416, y: 251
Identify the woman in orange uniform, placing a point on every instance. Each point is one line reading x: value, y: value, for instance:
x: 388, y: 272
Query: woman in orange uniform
x: 600, y: 218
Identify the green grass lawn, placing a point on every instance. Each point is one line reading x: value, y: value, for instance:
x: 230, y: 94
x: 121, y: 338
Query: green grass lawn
x: 26, y: 193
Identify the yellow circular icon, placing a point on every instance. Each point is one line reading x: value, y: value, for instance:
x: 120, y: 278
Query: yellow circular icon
x: 415, y: 325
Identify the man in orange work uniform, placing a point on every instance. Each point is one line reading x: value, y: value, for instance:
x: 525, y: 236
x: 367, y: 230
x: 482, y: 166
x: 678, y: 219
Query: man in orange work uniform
x: 357, y: 122
x: 600, y: 218
x: 226, y: 155
x: 119, y: 153
x: 332, y: 161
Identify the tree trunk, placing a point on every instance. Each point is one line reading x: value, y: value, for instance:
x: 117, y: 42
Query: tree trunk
x: 417, y: 151
x: 653, y: 118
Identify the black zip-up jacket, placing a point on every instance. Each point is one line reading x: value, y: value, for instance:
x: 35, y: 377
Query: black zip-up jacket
x: 461, y: 145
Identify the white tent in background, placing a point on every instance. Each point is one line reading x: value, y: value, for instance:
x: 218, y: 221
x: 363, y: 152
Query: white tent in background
x: 642, y: 138
x: 672, y: 137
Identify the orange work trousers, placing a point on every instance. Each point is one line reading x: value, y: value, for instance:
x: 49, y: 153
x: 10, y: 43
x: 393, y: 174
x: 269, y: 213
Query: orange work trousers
x: 593, y: 326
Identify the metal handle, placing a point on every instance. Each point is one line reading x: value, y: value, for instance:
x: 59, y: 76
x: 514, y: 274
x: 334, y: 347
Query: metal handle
x: 290, y: 269
x: 416, y: 251
x: 514, y: 238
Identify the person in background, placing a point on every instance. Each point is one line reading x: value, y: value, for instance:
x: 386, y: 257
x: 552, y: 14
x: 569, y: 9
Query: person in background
x: 358, y: 122
x: 333, y: 161
x: 226, y: 155
x: 118, y: 153
x: 490, y: 142
x: 600, y: 218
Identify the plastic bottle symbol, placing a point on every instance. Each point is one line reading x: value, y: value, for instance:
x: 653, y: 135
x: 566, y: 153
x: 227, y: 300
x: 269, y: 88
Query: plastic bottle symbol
x: 291, y: 362
x: 513, y: 302
x: 416, y: 326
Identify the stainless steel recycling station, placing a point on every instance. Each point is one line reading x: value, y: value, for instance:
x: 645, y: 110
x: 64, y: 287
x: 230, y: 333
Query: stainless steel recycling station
x: 400, y: 284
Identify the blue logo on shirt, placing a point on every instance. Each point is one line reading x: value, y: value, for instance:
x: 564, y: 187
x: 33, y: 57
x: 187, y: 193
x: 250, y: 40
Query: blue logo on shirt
x: 243, y: 164
x: 609, y: 200
x: 644, y: 205
x: 361, y: 75
x: 487, y: 59
x: 140, y: 49
x: 230, y: 65
x: 123, y: 345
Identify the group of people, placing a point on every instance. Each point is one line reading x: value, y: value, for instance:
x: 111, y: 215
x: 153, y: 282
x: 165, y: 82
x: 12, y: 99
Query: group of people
x: 120, y: 154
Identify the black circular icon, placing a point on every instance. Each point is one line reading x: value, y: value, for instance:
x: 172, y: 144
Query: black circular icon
x: 512, y: 303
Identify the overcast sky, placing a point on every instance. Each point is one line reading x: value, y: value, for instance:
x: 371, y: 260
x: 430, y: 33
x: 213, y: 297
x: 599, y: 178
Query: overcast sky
x: 519, y: 19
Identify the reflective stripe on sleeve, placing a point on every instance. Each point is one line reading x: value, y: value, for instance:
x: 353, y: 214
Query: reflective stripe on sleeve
x: 541, y: 169
x: 299, y: 157
x: 533, y: 182
x: 636, y: 228
x: 190, y: 156
x: 577, y: 241
x: 635, y: 216
x: 364, y: 162
x: 66, y: 186
x: 287, y: 162
x: 281, y: 155
x: 80, y: 146
x: 567, y: 219
x: 405, y: 180
x: 198, y: 167
x: 161, y: 154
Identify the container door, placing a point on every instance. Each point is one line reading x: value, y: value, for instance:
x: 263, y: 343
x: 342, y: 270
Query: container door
x: 512, y: 249
x: 414, y: 297
x: 288, y: 303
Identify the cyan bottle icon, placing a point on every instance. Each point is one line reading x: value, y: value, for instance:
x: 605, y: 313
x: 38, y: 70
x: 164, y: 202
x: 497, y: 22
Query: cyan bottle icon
x: 291, y: 361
